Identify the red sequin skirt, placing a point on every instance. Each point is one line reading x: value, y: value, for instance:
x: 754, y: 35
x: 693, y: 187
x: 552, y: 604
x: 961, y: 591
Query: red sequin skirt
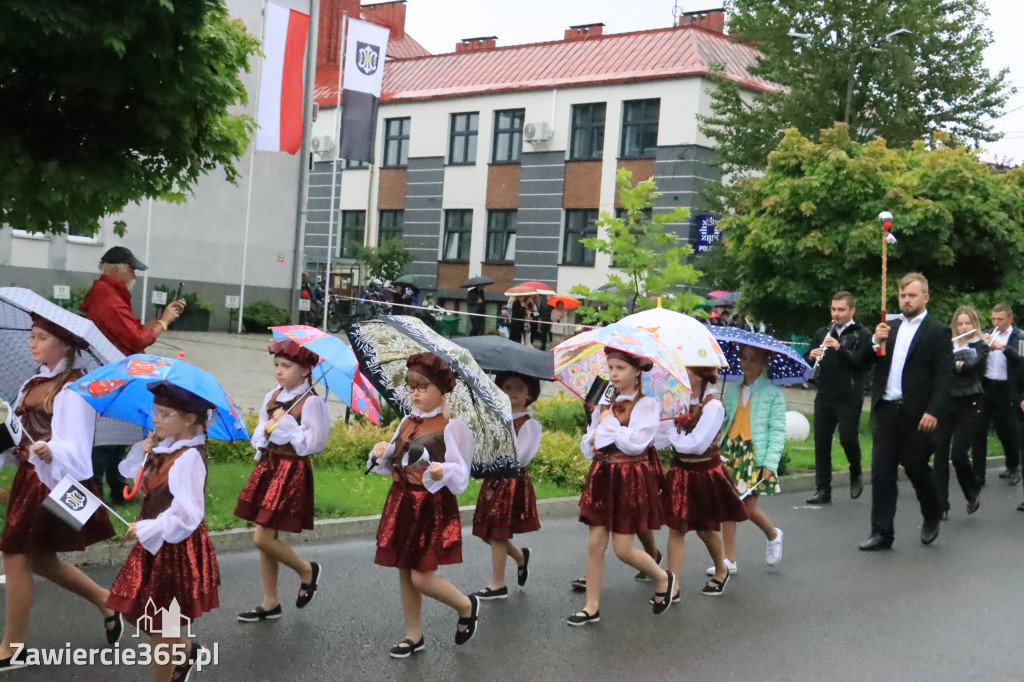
x: 31, y: 529
x: 621, y: 496
x: 186, y: 571
x: 279, y: 494
x: 506, y: 506
x: 657, y: 466
x: 700, y: 496
x: 419, y: 530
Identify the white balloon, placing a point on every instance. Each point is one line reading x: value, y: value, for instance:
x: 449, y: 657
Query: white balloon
x: 797, y: 426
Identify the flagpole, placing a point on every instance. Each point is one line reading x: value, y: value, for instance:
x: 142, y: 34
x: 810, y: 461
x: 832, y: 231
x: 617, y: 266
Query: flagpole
x: 145, y: 258
x: 302, y: 201
x: 252, y: 165
x: 334, y: 172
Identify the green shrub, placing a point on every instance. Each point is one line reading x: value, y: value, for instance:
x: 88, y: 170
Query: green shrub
x: 561, y: 412
x: 560, y: 461
x: 192, y: 300
x: 258, y: 317
x: 71, y: 304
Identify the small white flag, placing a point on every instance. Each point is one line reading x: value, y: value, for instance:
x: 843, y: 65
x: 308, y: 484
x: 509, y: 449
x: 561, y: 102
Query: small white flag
x: 890, y: 238
x: 71, y: 502
x: 10, y: 430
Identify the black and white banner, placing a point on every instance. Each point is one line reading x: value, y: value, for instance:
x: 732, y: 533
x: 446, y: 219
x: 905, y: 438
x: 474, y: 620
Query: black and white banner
x: 365, y: 46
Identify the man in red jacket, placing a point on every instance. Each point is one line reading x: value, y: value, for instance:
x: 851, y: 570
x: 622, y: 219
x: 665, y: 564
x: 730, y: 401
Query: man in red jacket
x: 109, y: 305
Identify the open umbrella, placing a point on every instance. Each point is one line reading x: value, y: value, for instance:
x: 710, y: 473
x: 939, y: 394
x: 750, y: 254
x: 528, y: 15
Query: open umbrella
x: 785, y: 366
x: 478, y: 281
x: 498, y: 354
x: 686, y: 335
x: 338, y: 369
x: 568, y: 302
x: 384, y: 345
x: 540, y: 287
x: 580, y: 360
x: 717, y: 294
x: 521, y: 290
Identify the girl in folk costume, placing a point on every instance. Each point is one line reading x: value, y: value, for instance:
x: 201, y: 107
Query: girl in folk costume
x: 698, y: 495
x: 621, y: 495
x: 61, y: 423
x: 173, y: 562
x: 509, y: 505
x: 429, y: 461
x: 294, y: 424
x: 754, y: 432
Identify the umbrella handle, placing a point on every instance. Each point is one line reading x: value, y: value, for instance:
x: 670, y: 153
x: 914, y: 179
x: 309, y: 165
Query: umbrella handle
x: 129, y: 493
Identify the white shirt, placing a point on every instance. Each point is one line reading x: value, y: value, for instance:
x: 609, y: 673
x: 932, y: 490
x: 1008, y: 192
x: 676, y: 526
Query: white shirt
x: 996, y: 367
x: 904, y: 336
x: 629, y: 440
x: 307, y: 438
x: 186, y: 480
x: 459, y: 444
x: 840, y: 330
x: 697, y: 441
x: 71, y: 434
x: 528, y: 438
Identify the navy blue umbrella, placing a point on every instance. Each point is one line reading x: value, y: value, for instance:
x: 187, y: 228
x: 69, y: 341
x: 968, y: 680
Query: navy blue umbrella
x: 785, y: 366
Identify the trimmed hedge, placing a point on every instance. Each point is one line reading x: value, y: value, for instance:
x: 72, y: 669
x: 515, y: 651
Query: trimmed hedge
x: 561, y: 412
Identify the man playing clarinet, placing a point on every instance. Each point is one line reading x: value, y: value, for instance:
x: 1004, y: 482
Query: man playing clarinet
x: 840, y: 398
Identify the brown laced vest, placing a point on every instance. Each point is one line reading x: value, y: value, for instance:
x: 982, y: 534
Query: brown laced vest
x: 292, y: 407
x: 154, y: 484
x: 419, y: 432
x: 622, y: 411
x: 35, y: 418
x: 686, y: 425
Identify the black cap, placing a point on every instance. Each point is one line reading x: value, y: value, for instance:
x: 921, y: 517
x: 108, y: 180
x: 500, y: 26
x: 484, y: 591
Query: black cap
x: 121, y: 254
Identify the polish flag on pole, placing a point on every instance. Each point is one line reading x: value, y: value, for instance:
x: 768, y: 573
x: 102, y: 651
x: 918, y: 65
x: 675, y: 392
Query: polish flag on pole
x: 279, y: 112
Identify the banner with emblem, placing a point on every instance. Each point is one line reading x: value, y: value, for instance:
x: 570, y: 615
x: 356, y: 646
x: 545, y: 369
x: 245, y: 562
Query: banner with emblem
x: 71, y: 502
x: 365, y: 46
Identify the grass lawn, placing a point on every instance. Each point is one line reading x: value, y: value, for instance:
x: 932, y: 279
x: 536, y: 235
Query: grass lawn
x: 339, y: 493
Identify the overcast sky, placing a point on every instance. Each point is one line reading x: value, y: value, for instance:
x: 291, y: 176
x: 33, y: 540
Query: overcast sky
x: 439, y: 24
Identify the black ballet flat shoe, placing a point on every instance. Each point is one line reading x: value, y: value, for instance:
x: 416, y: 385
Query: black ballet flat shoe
x: 666, y: 598
x: 183, y: 672
x: 974, y: 506
x: 407, y: 648
x: 675, y: 600
x: 9, y: 663
x: 114, y: 633
x: 715, y: 587
x: 577, y: 619
x: 487, y: 593
x: 463, y: 636
x: 523, y: 572
x: 580, y: 584
x: 308, y: 590
x: 259, y: 613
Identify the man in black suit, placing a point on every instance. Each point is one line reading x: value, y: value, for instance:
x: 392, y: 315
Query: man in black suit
x: 840, y: 397
x: 1002, y: 394
x: 911, y: 388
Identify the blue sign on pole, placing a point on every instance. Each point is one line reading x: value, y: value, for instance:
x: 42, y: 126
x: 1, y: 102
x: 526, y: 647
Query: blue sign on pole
x: 707, y: 235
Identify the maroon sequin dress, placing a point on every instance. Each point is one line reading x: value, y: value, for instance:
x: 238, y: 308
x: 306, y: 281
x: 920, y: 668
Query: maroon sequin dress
x: 29, y: 528
x: 506, y: 506
x: 186, y: 571
x: 279, y: 492
x: 698, y: 494
x: 621, y: 492
x: 419, y: 530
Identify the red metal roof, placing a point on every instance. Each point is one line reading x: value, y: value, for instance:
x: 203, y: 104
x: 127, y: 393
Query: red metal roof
x: 611, y: 58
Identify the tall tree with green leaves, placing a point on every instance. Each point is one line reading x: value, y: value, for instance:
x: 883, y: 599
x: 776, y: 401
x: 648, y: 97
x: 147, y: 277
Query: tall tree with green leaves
x: 808, y: 227
x: 107, y: 102
x: 386, y: 261
x: 896, y: 69
x: 646, y: 256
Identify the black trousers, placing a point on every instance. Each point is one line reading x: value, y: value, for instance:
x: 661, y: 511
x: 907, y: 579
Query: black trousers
x: 896, y: 441
x: 105, y: 459
x: 476, y: 324
x: 1000, y: 412
x: 828, y: 414
x: 959, y: 431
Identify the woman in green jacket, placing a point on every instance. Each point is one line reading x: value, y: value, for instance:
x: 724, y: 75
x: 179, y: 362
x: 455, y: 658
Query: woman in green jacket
x: 753, y: 435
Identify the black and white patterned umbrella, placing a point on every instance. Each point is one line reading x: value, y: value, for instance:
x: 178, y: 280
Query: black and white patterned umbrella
x: 383, y: 346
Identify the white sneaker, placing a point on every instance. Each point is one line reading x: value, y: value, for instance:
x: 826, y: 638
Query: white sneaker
x: 773, y: 552
x: 731, y: 565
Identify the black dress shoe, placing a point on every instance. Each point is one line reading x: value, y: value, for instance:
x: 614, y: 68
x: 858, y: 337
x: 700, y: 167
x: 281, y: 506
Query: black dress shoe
x: 974, y: 506
x: 822, y: 496
x: 1013, y: 478
x: 875, y: 543
x: 856, y: 487
x: 929, y: 532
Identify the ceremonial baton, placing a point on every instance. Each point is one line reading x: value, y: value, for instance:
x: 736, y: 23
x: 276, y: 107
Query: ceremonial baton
x: 886, y: 219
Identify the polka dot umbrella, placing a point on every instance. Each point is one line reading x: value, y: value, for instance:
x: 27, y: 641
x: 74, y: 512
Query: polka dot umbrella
x: 785, y: 366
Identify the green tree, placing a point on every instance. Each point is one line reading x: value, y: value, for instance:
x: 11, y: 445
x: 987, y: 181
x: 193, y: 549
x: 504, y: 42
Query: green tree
x: 386, y: 261
x: 808, y: 227
x: 107, y: 102
x: 647, y: 260
x: 848, y: 61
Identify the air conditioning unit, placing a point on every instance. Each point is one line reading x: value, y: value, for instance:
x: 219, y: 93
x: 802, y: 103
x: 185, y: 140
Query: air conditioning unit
x: 535, y: 132
x: 323, y: 145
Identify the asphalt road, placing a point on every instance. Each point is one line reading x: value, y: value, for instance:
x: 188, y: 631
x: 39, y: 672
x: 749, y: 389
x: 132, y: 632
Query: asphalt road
x: 951, y: 611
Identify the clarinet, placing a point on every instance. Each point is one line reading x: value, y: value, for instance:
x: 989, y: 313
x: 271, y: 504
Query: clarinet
x: 828, y: 332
